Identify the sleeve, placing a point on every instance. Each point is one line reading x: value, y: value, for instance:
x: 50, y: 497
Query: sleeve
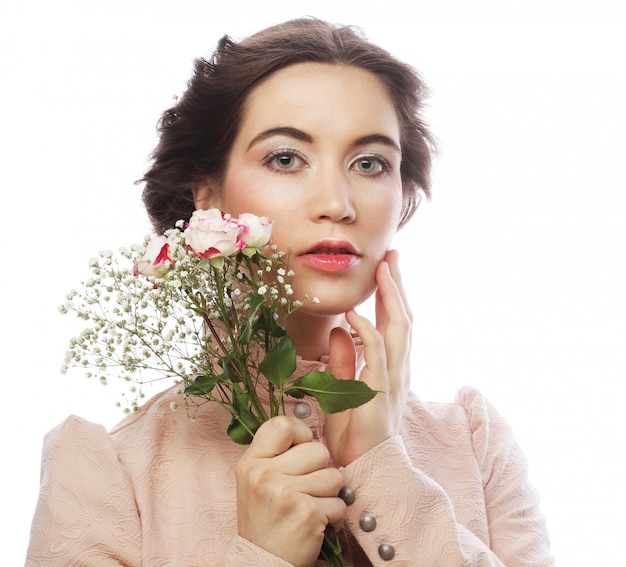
x: 244, y: 553
x: 414, y: 518
x: 86, y: 513
x: 517, y: 528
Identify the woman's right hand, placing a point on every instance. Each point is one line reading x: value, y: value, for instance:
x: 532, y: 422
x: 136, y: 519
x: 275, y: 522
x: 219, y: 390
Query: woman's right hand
x: 286, y: 493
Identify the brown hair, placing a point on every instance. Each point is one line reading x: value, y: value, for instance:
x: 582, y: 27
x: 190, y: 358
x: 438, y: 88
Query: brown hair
x: 197, y: 133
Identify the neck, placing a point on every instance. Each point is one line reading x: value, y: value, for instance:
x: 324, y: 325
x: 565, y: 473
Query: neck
x: 310, y: 333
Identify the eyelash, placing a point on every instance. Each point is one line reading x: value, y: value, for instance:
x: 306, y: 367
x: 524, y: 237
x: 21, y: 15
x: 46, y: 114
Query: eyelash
x: 385, y: 164
x: 267, y: 160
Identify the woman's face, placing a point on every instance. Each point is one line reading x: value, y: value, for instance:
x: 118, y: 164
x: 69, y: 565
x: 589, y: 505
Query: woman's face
x: 318, y: 151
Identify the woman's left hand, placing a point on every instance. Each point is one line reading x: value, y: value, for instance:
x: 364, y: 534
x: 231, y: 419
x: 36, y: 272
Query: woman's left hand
x: 352, y: 433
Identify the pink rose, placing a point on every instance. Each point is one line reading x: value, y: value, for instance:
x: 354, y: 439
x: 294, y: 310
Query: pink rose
x: 158, y: 257
x: 256, y: 231
x: 210, y: 235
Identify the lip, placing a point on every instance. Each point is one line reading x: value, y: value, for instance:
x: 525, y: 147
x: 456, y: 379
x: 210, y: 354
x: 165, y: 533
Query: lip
x: 331, y: 256
x: 334, y: 246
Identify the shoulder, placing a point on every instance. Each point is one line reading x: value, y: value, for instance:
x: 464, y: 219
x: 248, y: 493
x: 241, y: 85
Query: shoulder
x: 491, y: 434
x: 74, y: 435
x: 79, y: 457
x: 86, y: 506
x: 77, y: 434
x: 479, y: 410
x: 470, y: 420
x: 164, y: 427
x: 158, y: 408
x: 169, y: 410
x: 469, y: 410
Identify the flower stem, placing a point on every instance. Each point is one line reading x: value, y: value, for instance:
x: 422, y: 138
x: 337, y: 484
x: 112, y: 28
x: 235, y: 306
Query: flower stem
x: 331, y: 551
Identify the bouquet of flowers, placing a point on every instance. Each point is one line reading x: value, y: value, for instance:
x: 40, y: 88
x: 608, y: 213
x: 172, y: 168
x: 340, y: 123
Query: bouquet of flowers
x: 204, y: 304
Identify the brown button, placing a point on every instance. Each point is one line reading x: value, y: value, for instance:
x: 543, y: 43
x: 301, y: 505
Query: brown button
x: 302, y: 410
x: 347, y: 495
x: 367, y: 523
x: 386, y: 551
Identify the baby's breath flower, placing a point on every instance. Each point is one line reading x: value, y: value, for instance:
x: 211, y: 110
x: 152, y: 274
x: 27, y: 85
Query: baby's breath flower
x: 160, y: 323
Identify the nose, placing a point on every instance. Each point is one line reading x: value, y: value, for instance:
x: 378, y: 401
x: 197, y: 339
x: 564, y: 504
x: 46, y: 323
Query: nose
x: 332, y: 197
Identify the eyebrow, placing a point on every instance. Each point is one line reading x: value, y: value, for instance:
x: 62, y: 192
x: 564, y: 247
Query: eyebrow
x: 304, y: 137
x: 284, y: 131
x: 377, y: 139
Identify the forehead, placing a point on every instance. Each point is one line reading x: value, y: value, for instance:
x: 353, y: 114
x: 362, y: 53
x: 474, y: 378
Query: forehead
x: 324, y: 97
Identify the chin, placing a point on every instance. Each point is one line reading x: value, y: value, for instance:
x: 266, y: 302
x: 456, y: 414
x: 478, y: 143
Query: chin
x: 331, y: 305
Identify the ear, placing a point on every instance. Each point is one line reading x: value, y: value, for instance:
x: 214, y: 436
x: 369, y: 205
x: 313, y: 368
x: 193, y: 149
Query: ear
x: 206, y: 196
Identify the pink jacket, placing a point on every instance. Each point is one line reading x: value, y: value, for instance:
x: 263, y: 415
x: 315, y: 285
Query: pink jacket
x: 159, y: 490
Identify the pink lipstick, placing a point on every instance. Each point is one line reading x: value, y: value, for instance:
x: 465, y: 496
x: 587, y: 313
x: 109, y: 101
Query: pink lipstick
x: 332, y: 256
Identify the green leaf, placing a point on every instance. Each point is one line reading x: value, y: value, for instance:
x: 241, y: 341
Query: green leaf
x: 239, y: 432
x: 242, y: 426
x: 227, y: 367
x: 267, y: 320
x: 333, y: 395
x: 217, y: 262
x: 246, y: 332
x: 280, y: 362
x: 203, y: 385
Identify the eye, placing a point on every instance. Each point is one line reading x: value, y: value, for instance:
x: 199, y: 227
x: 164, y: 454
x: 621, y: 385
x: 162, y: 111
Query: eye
x: 371, y: 165
x: 284, y: 161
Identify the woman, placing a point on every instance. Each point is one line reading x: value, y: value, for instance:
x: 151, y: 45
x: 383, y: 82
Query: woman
x: 316, y: 128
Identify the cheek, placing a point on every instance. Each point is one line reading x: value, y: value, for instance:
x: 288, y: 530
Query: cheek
x: 283, y: 233
x: 238, y: 190
x: 246, y: 191
x: 383, y: 222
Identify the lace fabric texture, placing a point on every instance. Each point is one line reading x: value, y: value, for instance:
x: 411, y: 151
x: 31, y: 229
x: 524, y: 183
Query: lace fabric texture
x: 159, y: 490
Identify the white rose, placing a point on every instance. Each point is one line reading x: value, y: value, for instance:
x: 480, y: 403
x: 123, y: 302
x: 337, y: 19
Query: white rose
x: 256, y: 231
x: 209, y: 234
x: 158, y: 257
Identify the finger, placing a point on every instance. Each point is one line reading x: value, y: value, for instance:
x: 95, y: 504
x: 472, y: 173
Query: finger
x: 392, y: 319
x: 373, y: 351
x: 342, y: 355
x: 334, y: 509
x: 324, y: 483
x: 303, y: 459
x: 393, y: 259
x: 384, y: 282
x: 390, y: 304
x: 277, y: 435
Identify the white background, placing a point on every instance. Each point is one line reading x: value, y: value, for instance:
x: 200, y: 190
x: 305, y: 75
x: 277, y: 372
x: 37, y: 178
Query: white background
x: 515, y: 268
